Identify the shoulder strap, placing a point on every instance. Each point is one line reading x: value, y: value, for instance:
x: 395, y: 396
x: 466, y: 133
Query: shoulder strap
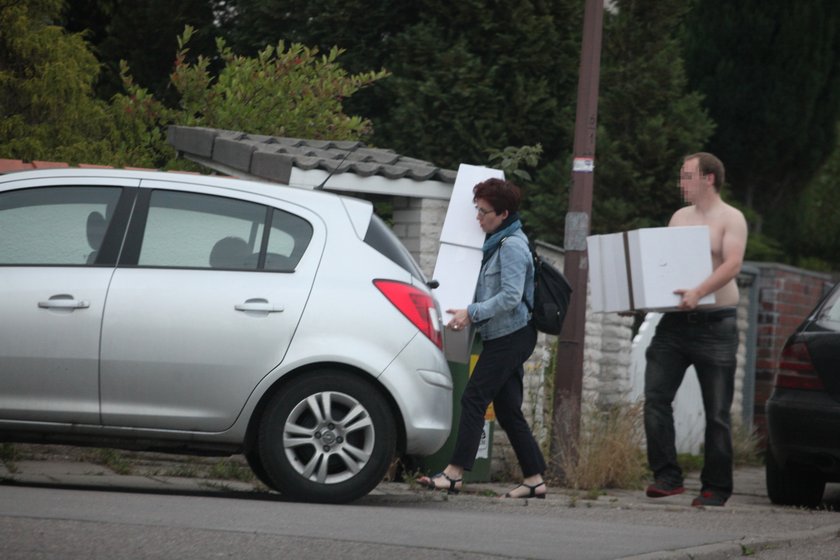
x: 536, y: 262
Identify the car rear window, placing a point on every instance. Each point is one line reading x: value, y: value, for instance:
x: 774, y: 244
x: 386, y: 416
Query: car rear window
x: 380, y: 237
x: 830, y: 311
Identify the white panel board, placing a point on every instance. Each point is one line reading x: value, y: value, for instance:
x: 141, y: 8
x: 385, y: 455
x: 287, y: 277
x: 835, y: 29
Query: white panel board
x: 456, y: 270
x: 461, y: 226
x: 459, y: 257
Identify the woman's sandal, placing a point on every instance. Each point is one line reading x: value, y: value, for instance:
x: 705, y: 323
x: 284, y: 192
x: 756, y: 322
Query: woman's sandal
x: 429, y: 483
x: 532, y: 491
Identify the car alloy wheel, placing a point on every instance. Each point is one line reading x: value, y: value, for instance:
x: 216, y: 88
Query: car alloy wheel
x: 327, y: 437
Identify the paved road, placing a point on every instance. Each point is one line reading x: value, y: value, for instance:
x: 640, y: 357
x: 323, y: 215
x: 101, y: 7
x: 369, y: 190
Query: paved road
x: 107, y: 524
x: 52, y: 510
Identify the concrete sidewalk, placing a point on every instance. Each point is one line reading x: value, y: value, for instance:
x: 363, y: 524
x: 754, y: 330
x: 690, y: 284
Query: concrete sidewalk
x: 749, y: 511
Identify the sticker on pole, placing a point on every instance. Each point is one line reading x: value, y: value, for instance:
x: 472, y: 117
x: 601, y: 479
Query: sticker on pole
x: 583, y: 165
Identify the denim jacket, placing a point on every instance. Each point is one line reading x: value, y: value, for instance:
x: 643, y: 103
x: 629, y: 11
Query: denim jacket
x: 498, y: 308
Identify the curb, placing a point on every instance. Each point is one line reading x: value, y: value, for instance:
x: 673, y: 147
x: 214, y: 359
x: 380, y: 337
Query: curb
x: 742, y: 547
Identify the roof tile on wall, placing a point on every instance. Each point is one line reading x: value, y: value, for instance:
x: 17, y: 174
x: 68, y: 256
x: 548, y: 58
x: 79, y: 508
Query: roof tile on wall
x: 273, y: 157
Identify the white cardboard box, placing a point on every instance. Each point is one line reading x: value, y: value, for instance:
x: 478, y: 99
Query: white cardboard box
x: 640, y: 269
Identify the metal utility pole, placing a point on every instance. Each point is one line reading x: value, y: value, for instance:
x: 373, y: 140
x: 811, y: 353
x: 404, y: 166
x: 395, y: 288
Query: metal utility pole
x: 568, y: 369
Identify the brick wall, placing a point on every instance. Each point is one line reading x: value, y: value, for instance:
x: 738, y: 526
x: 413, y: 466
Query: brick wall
x: 785, y: 297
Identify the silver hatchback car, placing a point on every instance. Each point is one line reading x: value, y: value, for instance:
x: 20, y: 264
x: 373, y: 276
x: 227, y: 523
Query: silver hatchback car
x: 195, y: 314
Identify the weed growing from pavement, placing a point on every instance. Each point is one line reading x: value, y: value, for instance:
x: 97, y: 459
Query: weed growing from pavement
x: 609, y: 451
x: 745, y: 446
x: 689, y: 462
x: 411, y: 478
x: 594, y: 494
x: 8, y: 455
x: 745, y: 451
x: 230, y: 470
x: 113, y: 459
x: 183, y: 470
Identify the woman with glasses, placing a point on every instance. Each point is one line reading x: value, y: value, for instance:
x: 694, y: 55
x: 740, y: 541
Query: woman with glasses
x: 502, y: 317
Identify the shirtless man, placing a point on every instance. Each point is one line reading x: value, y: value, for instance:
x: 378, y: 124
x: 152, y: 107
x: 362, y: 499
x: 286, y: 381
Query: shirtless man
x: 705, y: 337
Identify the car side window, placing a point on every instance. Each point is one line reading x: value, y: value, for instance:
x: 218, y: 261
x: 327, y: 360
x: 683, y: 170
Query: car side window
x: 189, y: 230
x: 54, y: 225
x: 288, y: 239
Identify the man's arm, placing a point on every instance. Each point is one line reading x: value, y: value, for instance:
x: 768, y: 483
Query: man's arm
x: 734, y: 243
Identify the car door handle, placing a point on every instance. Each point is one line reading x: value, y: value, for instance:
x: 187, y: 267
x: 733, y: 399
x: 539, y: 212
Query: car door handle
x: 258, y: 305
x: 63, y: 302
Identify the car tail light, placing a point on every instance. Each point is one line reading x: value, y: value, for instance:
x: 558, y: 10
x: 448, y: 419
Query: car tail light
x: 796, y: 370
x: 418, y: 307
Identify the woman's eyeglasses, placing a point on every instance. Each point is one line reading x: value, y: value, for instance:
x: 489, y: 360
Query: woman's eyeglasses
x: 482, y: 212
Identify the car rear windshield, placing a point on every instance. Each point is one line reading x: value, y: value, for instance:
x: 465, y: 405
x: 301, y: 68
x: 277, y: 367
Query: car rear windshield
x: 830, y: 312
x: 380, y: 237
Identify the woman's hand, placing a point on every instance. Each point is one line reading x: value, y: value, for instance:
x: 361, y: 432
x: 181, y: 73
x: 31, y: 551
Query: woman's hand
x: 460, y: 319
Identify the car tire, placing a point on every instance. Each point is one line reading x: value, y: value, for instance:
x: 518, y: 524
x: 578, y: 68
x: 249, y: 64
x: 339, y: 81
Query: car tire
x: 255, y: 462
x: 792, y: 487
x: 327, y: 436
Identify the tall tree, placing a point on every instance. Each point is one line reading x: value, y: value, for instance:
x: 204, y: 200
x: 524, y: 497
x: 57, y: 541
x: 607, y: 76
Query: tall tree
x: 363, y: 28
x: 770, y: 74
x: 648, y: 118
x: 812, y: 230
x: 141, y: 33
x: 47, y: 109
x: 478, y: 74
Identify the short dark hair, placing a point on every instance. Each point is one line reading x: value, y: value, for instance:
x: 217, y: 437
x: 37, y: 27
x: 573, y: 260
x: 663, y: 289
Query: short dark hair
x: 501, y: 194
x: 708, y: 163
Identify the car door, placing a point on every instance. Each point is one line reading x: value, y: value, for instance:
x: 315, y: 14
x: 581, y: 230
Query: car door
x: 203, y: 305
x: 54, y: 274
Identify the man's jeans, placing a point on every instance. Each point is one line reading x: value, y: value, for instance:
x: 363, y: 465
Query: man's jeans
x: 710, y: 343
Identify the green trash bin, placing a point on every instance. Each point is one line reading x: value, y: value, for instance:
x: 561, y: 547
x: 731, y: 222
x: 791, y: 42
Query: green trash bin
x: 436, y: 462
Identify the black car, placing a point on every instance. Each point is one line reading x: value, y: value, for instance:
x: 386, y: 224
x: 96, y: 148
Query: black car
x: 803, y: 413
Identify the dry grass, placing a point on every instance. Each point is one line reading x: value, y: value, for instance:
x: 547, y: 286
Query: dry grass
x: 746, y: 446
x: 609, y: 453
x: 746, y: 450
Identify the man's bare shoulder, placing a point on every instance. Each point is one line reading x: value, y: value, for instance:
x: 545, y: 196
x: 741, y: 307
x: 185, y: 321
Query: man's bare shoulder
x: 733, y: 217
x: 726, y: 215
x: 685, y: 216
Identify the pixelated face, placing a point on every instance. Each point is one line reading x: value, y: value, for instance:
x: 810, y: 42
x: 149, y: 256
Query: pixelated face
x: 692, y: 182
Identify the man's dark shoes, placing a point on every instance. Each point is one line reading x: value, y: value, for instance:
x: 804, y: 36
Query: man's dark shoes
x: 709, y: 498
x: 663, y: 488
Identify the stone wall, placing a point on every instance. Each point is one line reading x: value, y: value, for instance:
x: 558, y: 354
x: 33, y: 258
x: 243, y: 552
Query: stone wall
x: 418, y: 223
